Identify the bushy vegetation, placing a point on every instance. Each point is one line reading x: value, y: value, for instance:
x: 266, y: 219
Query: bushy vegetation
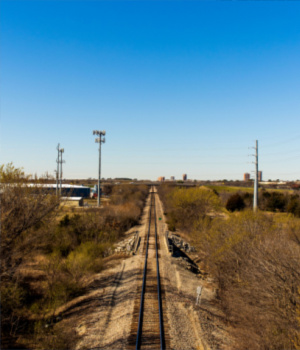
x: 62, y: 252
x: 255, y: 259
x: 187, y: 206
x: 273, y: 201
x: 280, y: 202
x: 268, y: 200
x: 235, y: 202
x: 293, y: 205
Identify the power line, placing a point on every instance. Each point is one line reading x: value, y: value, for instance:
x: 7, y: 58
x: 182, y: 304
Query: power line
x: 281, y: 142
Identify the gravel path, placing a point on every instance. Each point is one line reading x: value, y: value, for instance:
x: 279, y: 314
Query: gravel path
x: 184, y: 331
x: 191, y: 326
x: 107, y: 324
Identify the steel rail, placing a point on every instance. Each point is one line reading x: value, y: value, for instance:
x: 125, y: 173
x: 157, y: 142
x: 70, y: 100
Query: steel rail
x: 162, y: 340
x: 140, y: 322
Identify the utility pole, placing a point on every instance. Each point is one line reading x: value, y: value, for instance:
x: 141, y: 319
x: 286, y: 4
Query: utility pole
x: 57, y: 171
x: 255, y: 193
x: 99, y: 140
x: 61, y: 163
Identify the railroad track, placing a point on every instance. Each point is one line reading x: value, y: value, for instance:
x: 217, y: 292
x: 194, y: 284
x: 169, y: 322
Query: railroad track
x: 148, y: 328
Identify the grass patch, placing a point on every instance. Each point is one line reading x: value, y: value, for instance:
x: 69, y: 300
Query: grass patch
x: 232, y: 189
x: 229, y: 189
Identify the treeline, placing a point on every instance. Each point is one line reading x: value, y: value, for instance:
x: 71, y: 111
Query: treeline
x: 274, y: 201
x: 47, y: 255
x: 255, y: 259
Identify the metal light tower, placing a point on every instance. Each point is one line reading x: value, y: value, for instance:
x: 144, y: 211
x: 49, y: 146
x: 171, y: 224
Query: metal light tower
x: 99, y: 140
x: 255, y: 194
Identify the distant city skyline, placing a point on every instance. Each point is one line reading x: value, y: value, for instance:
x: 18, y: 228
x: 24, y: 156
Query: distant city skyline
x: 179, y: 86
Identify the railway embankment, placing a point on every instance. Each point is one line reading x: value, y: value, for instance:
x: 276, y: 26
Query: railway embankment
x: 106, y: 325
x: 192, y: 326
x: 103, y: 318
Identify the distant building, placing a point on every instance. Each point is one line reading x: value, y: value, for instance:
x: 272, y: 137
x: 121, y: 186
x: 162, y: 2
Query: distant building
x: 184, y: 177
x: 67, y: 190
x: 172, y: 178
x: 260, y: 176
x: 246, y: 177
x: 73, y: 201
x: 161, y: 179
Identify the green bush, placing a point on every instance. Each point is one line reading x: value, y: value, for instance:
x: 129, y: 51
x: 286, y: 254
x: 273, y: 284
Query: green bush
x: 294, y: 205
x: 87, y: 258
x: 188, y: 205
x: 235, y: 202
x: 275, y: 201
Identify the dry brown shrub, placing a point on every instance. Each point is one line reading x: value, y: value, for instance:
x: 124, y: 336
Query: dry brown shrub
x: 258, y: 269
x: 256, y: 261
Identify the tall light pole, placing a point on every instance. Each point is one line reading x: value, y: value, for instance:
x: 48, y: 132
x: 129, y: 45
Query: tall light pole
x: 99, y: 140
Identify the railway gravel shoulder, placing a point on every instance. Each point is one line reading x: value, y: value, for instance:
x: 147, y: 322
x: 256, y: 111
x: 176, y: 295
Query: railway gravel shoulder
x: 191, y: 326
x: 102, y: 317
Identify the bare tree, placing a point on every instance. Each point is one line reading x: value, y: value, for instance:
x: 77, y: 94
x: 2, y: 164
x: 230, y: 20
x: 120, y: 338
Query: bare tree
x: 22, y: 208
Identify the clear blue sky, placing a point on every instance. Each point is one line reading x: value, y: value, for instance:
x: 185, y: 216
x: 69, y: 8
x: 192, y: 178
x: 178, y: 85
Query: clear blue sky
x: 179, y: 87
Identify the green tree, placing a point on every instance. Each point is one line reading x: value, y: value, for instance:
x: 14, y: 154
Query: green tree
x: 294, y: 205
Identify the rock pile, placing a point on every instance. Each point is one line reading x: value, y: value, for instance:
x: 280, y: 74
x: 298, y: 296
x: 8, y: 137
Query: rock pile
x: 185, y: 263
x: 181, y: 244
x: 179, y: 250
x: 127, y: 245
